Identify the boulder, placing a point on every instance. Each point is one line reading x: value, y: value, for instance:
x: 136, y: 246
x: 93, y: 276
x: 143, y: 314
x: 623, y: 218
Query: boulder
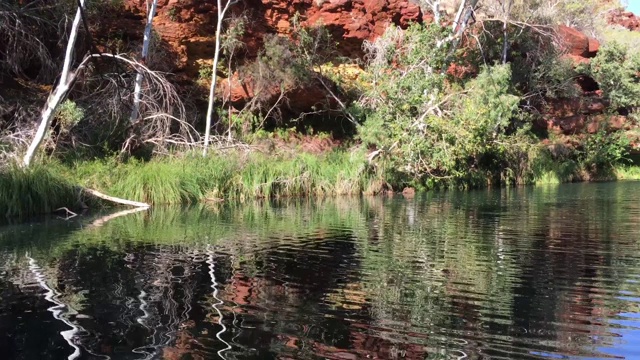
x: 576, y: 43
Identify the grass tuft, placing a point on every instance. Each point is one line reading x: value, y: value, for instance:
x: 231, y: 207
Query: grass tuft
x: 627, y: 172
x: 233, y: 176
x: 36, y: 190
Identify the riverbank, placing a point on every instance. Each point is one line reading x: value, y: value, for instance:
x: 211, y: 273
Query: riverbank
x: 235, y: 176
x: 186, y: 178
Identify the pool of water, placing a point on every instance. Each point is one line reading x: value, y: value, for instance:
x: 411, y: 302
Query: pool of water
x: 520, y: 273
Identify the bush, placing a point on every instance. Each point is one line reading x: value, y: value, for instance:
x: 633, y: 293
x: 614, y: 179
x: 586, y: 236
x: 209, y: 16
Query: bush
x: 602, y: 151
x: 616, y: 71
x: 432, y: 131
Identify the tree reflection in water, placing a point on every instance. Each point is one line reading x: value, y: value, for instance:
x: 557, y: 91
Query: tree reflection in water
x: 514, y: 273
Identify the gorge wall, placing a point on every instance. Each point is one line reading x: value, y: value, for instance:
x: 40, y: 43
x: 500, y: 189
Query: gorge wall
x: 188, y: 26
x: 187, y: 29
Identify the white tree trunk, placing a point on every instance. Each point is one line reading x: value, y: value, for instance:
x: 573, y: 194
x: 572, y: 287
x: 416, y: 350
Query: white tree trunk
x: 435, y: 7
x: 506, y: 9
x: 137, y: 92
x: 456, y: 21
x: 66, y: 78
x: 464, y: 15
x: 214, y: 76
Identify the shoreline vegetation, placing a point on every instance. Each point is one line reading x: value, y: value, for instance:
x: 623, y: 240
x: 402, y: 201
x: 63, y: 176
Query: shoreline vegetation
x: 505, y: 96
x: 236, y: 177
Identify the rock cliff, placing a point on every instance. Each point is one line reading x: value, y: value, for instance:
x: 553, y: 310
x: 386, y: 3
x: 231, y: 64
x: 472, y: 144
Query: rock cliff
x: 188, y: 26
x: 187, y: 29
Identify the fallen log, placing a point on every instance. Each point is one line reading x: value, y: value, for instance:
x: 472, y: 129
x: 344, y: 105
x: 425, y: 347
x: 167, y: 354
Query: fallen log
x: 115, y: 199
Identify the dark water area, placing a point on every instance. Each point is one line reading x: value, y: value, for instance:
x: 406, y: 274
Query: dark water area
x: 525, y: 273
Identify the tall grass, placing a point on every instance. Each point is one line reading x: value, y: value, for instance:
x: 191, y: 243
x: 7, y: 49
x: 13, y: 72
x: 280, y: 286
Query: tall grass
x: 627, y: 172
x: 190, y: 178
x: 36, y: 190
x: 233, y: 176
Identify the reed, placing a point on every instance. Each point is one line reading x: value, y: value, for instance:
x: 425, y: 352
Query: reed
x: 190, y: 178
x: 38, y: 189
x: 233, y: 176
x: 627, y: 172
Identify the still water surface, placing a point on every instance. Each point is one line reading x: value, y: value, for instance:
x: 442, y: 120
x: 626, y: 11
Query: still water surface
x: 527, y: 273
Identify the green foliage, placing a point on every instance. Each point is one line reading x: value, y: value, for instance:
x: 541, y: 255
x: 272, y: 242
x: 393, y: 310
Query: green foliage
x: 36, y: 190
x: 405, y: 84
x: 286, y: 63
x: 627, y: 172
x: 583, y: 157
x: 539, y: 71
x: 602, y: 151
x: 230, y: 176
x: 579, y: 14
x: 552, y: 77
x: 290, y: 61
x: 616, y: 70
x: 431, y: 131
x: 623, y: 36
x: 173, y: 13
x: 585, y: 15
x: 232, y: 37
x: 69, y: 114
x: 204, y: 73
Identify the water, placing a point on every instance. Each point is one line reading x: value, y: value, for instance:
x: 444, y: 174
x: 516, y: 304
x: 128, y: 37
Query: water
x: 527, y: 273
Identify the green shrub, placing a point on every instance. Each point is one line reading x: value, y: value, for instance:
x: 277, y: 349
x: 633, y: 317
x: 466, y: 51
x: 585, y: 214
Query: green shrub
x: 602, y: 151
x: 432, y: 131
x: 616, y: 71
x: 69, y: 114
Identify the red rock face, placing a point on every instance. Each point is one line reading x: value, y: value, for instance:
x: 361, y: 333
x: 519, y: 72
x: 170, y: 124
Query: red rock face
x: 625, y: 19
x: 359, y: 20
x: 188, y: 26
x: 586, y: 112
x: 578, y: 45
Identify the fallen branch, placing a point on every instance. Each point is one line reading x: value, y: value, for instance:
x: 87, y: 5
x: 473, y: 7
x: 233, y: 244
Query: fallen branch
x: 115, y: 199
x: 70, y: 214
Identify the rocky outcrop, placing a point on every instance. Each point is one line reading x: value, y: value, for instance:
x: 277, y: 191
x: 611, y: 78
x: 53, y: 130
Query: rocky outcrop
x: 188, y: 26
x: 625, y: 19
x: 586, y: 112
x: 580, y: 114
x: 578, y: 46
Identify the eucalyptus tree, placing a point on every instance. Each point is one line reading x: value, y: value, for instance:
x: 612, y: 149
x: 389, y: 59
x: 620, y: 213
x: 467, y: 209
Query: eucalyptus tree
x: 151, y: 12
x: 67, y: 78
x: 222, y: 8
x: 161, y: 102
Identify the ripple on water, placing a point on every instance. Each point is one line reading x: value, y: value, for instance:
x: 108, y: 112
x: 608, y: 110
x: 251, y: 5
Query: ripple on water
x: 528, y: 273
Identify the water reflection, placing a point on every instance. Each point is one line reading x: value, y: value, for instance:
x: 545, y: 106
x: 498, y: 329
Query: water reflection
x: 513, y: 274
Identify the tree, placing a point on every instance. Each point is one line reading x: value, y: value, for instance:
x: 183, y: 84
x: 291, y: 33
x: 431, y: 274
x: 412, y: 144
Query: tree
x: 104, y: 93
x: 434, y: 6
x: 222, y: 11
x: 67, y: 78
x: 506, y: 11
x: 145, y: 52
